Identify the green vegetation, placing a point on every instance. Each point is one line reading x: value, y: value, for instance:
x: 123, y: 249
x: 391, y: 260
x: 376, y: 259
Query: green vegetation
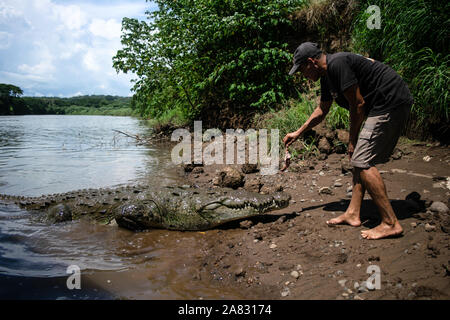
x: 202, y: 56
x: 10, y: 101
x: 413, y: 40
x: 12, y: 104
x: 226, y: 60
x: 221, y: 59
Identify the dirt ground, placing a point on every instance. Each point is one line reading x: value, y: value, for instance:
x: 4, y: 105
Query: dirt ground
x: 293, y: 254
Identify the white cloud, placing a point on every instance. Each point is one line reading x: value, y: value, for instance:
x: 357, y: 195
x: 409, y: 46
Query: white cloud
x: 55, y: 46
x: 71, y: 16
x: 42, y: 68
x: 90, y: 61
x: 109, y: 29
x: 5, y: 39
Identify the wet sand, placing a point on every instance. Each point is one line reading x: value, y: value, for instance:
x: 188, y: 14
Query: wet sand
x: 294, y: 254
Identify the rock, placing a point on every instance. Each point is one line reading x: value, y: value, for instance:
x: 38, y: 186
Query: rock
x: 439, y: 207
x: 272, y: 246
x: 295, y: 274
x: 445, y: 226
x: 281, y: 220
x: 253, y: 184
x: 285, y: 266
x: 197, y: 170
x: 325, y: 190
x: 190, y: 166
x: 341, y: 258
x: 285, y: 292
x: 337, y: 184
x: 246, y: 224
x: 343, y: 136
x: 429, y: 228
x: 427, y: 158
x: 322, y: 131
x: 271, y: 188
x: 363, y: 287
x: 324, y: 146
x: 342, y: 282
x: 229, y: 177
x: 249, y: 168
x: 239, y: 272
x: 397, y: 154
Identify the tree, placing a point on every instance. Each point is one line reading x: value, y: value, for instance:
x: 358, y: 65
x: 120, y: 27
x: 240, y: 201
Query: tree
x: 197, y: 55
x: 10, y: 101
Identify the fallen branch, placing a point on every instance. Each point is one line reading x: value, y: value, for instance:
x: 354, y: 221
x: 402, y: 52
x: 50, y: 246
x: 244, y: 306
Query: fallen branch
x: 136, y: 137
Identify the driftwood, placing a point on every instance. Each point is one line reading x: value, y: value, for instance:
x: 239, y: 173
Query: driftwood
x: 136, y: 137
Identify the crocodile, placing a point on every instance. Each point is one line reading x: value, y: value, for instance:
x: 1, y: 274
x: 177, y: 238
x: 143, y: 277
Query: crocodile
x: 146, y: 207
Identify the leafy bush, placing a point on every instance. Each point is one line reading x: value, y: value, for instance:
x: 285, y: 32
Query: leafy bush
x: 413, y: 39
x: 194, y: 54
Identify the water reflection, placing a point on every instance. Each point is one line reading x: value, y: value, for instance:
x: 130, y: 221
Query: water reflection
x: 54, y: 154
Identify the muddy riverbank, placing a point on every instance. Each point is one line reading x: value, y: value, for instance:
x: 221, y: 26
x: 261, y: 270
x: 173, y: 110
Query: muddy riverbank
x: 294, y: 254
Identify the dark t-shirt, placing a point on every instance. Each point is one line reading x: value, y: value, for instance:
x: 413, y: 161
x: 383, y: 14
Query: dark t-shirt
x: 381, y: 87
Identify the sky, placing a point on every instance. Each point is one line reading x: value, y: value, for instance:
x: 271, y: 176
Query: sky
x: 64, y: 48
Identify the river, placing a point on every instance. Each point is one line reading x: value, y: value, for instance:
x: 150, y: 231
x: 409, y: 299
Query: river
x: 53, y: 154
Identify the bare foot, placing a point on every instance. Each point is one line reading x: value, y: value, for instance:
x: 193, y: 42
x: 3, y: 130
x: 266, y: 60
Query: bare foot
x: 383, y: 230
x: 346, y: 218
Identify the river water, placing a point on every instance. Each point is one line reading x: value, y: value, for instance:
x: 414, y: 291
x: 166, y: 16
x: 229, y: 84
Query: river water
x: 54, y: 154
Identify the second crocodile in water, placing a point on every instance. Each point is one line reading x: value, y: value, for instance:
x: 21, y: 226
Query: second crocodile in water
x: 140, y: 208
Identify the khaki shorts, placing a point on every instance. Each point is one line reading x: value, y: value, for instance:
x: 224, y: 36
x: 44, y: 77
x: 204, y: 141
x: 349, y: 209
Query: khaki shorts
x: 379, y: 136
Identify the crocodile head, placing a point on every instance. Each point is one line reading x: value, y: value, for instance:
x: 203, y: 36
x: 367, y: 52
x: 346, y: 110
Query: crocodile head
x: 195, y: 209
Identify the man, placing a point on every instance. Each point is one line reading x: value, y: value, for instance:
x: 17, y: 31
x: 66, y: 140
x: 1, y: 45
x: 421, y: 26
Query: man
x: 373, y: 92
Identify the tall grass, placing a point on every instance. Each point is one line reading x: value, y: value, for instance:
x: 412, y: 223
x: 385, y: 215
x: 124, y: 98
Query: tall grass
x: 288, y: 119
x: 293, y: 115
x: 338, y: 118
x: 413, y: 40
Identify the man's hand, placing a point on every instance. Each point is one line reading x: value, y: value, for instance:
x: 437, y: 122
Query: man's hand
x: 290, y: 138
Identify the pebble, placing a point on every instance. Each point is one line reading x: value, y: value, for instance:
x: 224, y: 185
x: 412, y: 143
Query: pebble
x: 438, y: 206
x: 342, y: 282
x: 363, y: 287
x: 337, y: 184
x: 413, y: 224
x: 325, y: 190
x: 285, y: 292
x: 295, y: 274
x: 429, y: 228
x: 273, y: 246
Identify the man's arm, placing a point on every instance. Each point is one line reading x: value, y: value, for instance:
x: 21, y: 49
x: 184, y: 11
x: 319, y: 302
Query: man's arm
x: 316, y: 117
x: 357, y: 104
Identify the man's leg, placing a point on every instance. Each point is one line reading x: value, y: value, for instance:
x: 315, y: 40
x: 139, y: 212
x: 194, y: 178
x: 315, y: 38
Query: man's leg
x: 389, y: 225
x: 351, y: 215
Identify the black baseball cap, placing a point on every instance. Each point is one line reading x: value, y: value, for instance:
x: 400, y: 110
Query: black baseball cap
x: 302, y: 53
